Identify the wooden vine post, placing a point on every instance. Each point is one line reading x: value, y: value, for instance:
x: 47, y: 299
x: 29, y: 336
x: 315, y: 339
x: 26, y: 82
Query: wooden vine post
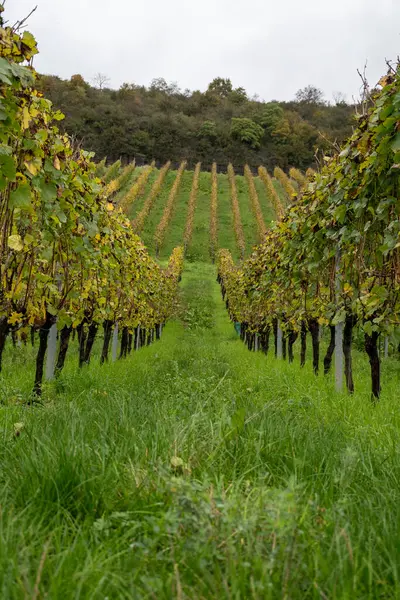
x: 279, y: 341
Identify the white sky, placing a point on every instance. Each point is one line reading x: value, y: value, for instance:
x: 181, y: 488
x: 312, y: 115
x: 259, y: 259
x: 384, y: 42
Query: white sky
x: 270, y: 47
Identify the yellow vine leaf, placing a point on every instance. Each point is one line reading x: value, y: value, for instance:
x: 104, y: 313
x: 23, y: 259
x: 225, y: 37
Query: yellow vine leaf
x: 26, y: 117
x: 15, y: 318
x: 32, y: 168
x: 15, y: 243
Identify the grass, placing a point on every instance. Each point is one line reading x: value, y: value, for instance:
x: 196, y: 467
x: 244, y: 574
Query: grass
x: 199, y: 248
x: 196, y: 469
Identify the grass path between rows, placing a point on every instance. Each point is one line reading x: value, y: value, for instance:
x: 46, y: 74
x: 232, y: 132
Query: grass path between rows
x: 196, y: 469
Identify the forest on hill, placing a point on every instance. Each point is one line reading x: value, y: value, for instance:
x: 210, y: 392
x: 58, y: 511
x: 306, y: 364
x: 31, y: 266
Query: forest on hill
x: 222, y: 124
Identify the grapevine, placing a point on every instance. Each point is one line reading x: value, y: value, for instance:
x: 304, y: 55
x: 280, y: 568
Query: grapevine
x: 272, y: 193
x: 298, y: 176
x: 255, y: 203
x: 139, y: 221
x: 310, y: 173
x: 137, y: 188
x: 112, y: 172
x: 119, y: 183
x: 191, y: 207
x: 169, y: 207
x: 213, y: 212
x: 286, y: 184
x: 334, y: 257
x: 237, y: 222
x: 67, y: 256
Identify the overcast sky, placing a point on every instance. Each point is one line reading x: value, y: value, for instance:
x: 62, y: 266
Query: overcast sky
x: 270, y: 47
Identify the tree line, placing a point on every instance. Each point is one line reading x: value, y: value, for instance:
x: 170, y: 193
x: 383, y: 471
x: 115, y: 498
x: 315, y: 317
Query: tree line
x: 222, y: 124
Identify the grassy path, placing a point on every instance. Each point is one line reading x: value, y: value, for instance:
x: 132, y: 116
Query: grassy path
x: 195, y: 469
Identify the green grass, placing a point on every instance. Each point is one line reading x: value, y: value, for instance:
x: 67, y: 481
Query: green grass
x: 196, y: 469
x: 199, y: 249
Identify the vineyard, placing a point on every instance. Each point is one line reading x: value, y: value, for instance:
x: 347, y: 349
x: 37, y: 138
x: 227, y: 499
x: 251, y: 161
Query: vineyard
x: 200, y: 210
x: 200, y: 373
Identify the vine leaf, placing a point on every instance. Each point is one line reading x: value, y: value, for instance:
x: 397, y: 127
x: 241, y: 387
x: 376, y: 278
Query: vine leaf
x: 395, y: 145
x: 21, y: 197
x: 15, y: 243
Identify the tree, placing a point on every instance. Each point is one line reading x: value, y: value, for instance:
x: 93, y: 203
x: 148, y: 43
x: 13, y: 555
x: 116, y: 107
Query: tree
x: 208, y: 130
x: 339, y: 99
x: 271, y: 115
x: 310, y: 95
x: 220, y: 87
x: 78, y: 81
x: 101, y: 81
x: 159, y: 84
x: 238, y: 96
x: 196, y: 126
x: 247, y: 131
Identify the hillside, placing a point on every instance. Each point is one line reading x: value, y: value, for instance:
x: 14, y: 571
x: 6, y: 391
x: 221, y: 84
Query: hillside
x: 198, y: 248
x: 222, y: 124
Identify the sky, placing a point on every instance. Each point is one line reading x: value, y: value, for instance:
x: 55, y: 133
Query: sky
x: 272, y: 48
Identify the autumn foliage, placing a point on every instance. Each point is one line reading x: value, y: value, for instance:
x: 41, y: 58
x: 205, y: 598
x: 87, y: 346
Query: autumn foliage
x: 191, y: 207
x: 271, y: 193
x: 255, y: 203
x: 168, y: 210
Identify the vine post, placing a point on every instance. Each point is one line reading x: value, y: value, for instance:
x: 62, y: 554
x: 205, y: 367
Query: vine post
x: 386, y: 347
x: 338, y: 332
x: 51, y: 352
x: 114, y: 347
x: 279, y: 341
x: 137, y: 345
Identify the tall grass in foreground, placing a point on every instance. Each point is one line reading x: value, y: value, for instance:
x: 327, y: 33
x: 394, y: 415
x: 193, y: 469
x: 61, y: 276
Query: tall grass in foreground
x: 196, y: 469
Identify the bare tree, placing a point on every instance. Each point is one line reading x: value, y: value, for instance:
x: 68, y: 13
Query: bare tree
x: 310, y: 95
x: 339, y: 98
x: 101, y: 81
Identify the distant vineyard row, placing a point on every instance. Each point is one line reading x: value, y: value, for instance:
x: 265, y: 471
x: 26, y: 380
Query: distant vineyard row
x: 200, y: 210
